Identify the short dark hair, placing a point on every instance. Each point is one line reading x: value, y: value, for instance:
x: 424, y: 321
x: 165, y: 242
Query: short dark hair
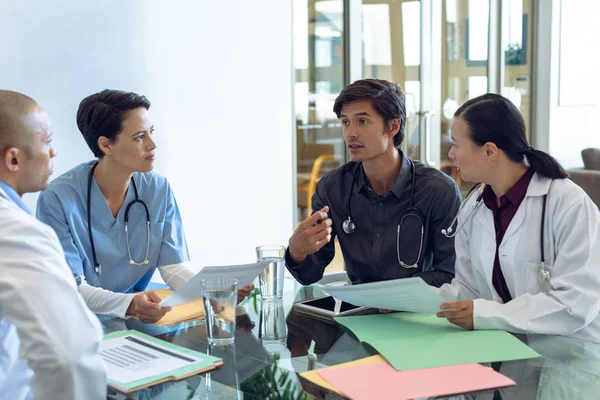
x: 494, y: 118
x: 102, y: 114
x: 386, y: 98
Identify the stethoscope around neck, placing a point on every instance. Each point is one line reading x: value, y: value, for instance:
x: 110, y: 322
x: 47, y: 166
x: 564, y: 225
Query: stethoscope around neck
x: 97, y: 266
x: 450, y: 233
x: 349, y: 227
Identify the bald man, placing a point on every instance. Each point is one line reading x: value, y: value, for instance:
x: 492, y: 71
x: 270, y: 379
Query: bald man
x: 49, y: 339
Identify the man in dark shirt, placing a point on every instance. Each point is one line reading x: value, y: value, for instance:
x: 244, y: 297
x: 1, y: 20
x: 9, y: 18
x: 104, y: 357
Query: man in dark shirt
x: 367, y: 202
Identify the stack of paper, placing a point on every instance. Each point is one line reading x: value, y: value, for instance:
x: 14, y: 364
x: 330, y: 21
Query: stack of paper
x: 192, y: 289
x: 412, y: 341
x: 409, y: 294
x: 134, y: 360
x: 373, y: 378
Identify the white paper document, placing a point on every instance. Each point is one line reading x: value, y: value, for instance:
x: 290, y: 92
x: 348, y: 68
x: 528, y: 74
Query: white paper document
x: 409, y: 294
x: 192, y: 289
x: 131, y: 358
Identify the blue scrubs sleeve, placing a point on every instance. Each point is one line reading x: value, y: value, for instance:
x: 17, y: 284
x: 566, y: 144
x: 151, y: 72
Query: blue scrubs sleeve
x: 173, y: 249
x: 50, y: 212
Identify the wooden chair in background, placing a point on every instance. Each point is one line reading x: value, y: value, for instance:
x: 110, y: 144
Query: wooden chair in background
x: 454, y: 172
x: 307, y: 182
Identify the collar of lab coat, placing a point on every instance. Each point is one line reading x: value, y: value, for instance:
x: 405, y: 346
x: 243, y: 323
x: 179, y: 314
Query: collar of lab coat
x: 4, y: 194
x: 539, y: 185
x: 17, y: 203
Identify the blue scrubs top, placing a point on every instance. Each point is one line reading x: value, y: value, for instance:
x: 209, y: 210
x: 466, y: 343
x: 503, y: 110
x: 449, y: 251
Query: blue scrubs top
x: 63, y: 206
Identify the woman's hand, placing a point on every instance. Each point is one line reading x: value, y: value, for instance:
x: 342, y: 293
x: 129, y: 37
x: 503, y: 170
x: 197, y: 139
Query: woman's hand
x: 459, y: 313
x: 245, y: 292
x: 146, y: 308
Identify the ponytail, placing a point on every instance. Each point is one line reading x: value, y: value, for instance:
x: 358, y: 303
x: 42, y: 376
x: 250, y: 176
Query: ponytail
x: 493, y: 118
x: 544, y: 164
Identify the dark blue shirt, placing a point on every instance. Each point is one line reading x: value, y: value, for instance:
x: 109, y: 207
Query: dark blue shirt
x: 370, y: 253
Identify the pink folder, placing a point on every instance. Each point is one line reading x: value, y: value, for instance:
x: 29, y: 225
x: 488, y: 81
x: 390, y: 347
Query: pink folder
x: 382, y: 381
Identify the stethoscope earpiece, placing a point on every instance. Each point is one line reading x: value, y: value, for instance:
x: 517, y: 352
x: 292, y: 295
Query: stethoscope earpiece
x: 448, y: 231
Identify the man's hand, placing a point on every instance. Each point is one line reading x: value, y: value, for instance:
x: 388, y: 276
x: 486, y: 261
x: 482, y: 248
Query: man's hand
x: 310, y: 235
x: 245, y: 292
x: 459, y: 313
x: 145, y: 307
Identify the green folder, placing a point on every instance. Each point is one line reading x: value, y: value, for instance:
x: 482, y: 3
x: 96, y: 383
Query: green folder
x: 415, y: 340
x: 206, y: 363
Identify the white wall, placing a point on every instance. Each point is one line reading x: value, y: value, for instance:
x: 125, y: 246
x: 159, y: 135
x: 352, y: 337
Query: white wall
x: 574, y: 80
x: 219, y: 76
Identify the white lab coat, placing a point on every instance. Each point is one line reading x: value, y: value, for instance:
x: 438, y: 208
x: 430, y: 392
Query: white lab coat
x: 49, y: 339
x: 568, y: 303
x: 106, y: 302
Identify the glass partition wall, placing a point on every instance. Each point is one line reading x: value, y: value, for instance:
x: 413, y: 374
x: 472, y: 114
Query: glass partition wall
x: 442, y: 53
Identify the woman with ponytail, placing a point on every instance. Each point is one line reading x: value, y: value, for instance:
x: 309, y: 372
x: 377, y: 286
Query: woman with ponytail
x: 528, y: 242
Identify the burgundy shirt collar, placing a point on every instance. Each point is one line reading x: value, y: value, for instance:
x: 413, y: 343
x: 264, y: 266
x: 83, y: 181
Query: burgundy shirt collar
x: 514, y: 196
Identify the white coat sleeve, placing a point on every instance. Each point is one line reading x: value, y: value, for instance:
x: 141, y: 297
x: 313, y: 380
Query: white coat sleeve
x: 59, y: 336
x: 572, y: 301
x: 102, y: 301
x: 175, y: 275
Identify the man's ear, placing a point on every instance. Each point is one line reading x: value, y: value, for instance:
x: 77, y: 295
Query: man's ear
x: 394, y: 127
x: 12, y: 159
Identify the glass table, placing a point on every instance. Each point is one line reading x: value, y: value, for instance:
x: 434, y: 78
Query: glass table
x: 275, y: 342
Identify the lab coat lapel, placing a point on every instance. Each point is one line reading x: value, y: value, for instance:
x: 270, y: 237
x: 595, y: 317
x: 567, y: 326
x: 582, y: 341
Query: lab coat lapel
x: 517, y: 220
x: 537, y: 187
x: 485, y: 218
x: 486, y: 238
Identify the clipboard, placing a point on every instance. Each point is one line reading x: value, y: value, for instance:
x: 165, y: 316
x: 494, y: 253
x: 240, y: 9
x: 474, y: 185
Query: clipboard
x: 205, y: 362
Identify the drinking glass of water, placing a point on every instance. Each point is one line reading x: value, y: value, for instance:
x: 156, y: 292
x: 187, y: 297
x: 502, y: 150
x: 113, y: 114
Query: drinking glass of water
x: 220, y: 298
x: 271, y: 279
x: 272, y: 330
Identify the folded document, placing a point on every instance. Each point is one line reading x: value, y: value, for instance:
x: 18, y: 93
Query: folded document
x: 192, y: 289
x: 408, y: 294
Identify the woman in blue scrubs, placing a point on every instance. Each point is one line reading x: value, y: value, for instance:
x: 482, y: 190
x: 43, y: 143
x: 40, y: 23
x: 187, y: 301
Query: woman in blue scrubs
x: 116, y: 219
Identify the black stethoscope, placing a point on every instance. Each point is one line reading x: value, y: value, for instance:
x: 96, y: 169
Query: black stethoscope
x: 448, y: 232
x: 349, y: 227
x: 97, y: 266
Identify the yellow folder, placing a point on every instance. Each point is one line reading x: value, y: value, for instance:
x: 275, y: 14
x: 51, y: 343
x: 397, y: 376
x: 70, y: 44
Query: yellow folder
x: 182, y: 313
x: 314, y: 377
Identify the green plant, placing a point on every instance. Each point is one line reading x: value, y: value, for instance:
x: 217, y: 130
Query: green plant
x: 254, y: 297
x: 513, y: 54
x: 272, y: 383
